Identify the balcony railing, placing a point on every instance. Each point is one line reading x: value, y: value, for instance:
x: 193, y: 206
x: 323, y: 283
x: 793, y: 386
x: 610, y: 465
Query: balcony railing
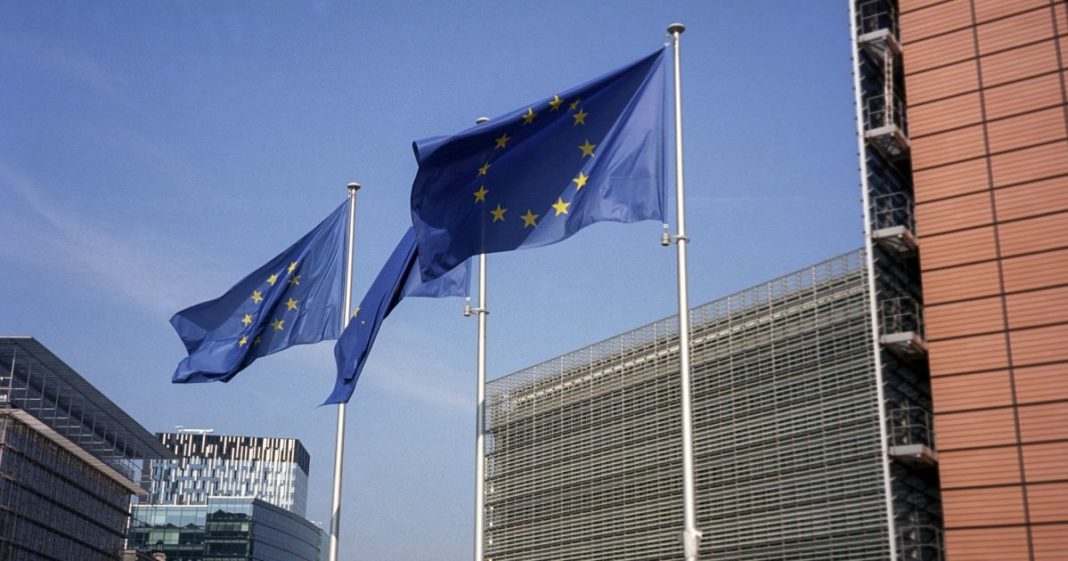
x: 911, y: 424
x: 916, y: 542
x: 873, y: 15
x: 893, y: 209
x: 879, y: 113
x: 902, y: 315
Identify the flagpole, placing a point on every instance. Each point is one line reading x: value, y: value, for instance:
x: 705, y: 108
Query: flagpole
x: 480, y: 405
x: 339, y: 446
x: 691, y: 536
x: 480, y: 414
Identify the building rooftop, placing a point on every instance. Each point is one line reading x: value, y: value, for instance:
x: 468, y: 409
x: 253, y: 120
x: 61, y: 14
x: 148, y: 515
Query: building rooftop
x: 38, y: 382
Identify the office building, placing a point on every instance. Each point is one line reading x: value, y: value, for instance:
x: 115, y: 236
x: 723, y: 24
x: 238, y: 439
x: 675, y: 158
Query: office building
x: 988, y: 119
x: 227, y: 497
x: 962, y: 111
x: 224, y: 528
x: 811, y: 395
x: 274, y: 470
x: 798, y: 454
x: 814, y: 434
x: 70, y: 460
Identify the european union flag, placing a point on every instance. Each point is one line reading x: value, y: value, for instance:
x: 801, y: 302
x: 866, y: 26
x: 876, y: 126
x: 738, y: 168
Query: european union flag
x: 292, y: 300
x: 396, y: 280
x: 537, y: 175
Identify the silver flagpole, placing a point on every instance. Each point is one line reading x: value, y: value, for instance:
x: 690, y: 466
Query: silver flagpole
x: 691, y: 536
x: 339, y: 447
x: 480, y: 413
x: 480, y: 406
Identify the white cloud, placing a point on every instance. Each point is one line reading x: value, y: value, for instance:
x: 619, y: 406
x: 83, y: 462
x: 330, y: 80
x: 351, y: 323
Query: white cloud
x: 118, y: 260
x: 427, y: 377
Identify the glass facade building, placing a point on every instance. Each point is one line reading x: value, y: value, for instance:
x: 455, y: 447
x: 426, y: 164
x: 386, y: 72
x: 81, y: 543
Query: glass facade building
x: 69, y: 461
x: 221, y: 529
x: 227, y: 498
x: 274, y: 470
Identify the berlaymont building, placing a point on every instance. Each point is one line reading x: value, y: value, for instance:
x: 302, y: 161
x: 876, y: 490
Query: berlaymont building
x: 906, y: 401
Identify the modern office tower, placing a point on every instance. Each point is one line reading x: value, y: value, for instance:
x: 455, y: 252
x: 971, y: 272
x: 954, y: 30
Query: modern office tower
x: 274, y: 470
x: 793, y: 440
x: 988, y: 122
x: 227, y: 497
x: 224, y: 528
x: 70, y: 460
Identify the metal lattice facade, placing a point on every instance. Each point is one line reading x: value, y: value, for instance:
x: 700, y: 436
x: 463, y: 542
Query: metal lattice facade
x: 69, y: 460
x: 583, y: 451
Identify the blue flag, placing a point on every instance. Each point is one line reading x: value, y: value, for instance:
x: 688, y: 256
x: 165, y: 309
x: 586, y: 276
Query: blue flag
x: 292, y: 300
x: 537, y: 175
x: 397, y: 279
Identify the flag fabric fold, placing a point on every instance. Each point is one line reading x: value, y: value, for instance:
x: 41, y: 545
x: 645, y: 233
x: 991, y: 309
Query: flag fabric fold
x: 539, y: 174
x: 294, y: 299
x: 397, y: 280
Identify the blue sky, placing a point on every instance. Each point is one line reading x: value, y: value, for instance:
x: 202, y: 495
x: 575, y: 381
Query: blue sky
x: 152, y: 154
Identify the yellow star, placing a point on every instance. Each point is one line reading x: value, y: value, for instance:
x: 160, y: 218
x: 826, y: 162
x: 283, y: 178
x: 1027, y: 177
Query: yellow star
x: 272, y: 279
x: 257, y: 296
x: 574, y: 104
x: 529, y: 116
x: 480, y: 195
x: 580, y: 180
x: 502, y: 142
x: 561, y: 206
x: 580, y: 117
x: 292, y: 267
x: 294, y: 280
x: 247, y: 319
x: 498, y: 213
x: 278, y: 324
x: 485, y: 167
x: 530, y: 220
x: 256, y: 341
x: 292, y: 304
x: 243, y: 341
x: 556, y: 102
x: 587, y: 149
x: 356, y: 312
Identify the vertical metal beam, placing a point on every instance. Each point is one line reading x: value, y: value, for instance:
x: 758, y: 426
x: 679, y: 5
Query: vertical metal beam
x: 691, y: 536
x: 480, y: 414
x: 339, y: 446
x: 480, y: 406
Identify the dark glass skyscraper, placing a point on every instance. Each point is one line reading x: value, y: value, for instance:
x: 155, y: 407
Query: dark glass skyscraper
x: 69, y: 460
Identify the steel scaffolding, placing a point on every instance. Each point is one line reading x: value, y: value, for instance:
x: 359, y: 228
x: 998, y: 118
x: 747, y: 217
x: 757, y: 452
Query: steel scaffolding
x: 915, y: 510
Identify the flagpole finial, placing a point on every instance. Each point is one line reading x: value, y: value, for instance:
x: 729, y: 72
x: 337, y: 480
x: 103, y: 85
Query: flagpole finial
x: 353, y: 187
x: 676, y: 28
